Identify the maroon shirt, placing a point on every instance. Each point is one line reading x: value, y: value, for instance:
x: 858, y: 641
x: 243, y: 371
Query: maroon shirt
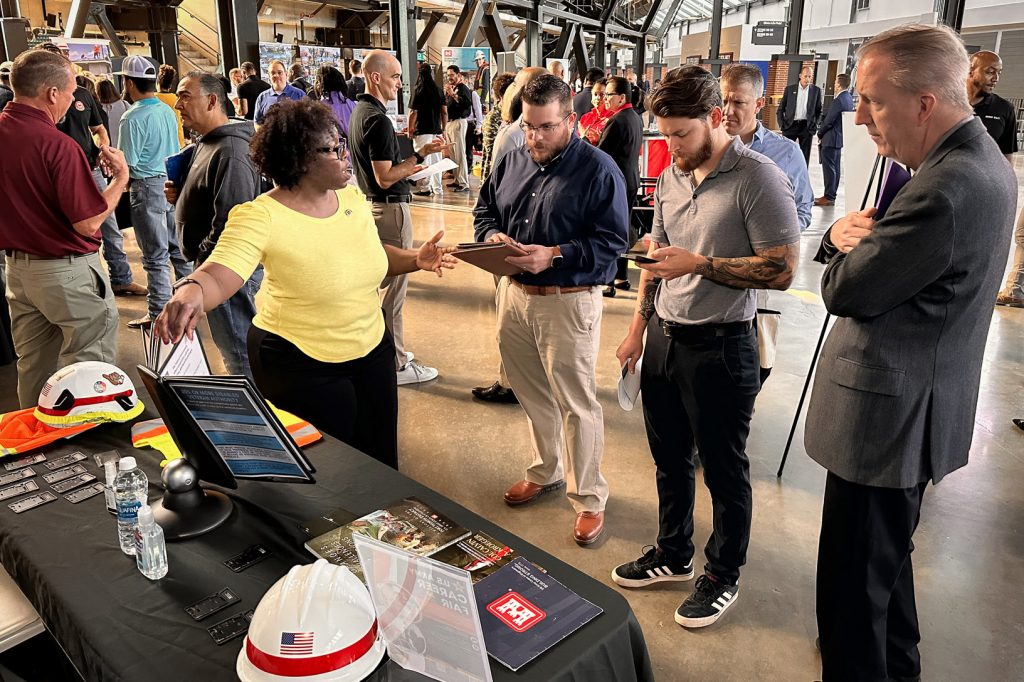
x: 48, y: 186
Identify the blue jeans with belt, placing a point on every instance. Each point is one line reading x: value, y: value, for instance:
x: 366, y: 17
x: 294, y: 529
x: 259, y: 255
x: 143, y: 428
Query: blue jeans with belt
x: 113, y: 241
x: 153, y: 220
x: 230, y: 322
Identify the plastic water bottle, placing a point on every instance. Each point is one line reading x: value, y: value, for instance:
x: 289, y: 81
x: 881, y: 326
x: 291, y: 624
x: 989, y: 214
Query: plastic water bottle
x: 109, y: 474
x: 150, y: 550
x: 131, y: 490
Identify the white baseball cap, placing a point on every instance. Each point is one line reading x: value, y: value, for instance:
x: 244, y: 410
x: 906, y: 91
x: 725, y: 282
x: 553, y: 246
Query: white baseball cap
x: 6, y: 68
x: 137, y: 67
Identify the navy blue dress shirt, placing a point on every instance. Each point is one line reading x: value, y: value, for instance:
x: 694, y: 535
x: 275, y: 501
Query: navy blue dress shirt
x: 577, y: 202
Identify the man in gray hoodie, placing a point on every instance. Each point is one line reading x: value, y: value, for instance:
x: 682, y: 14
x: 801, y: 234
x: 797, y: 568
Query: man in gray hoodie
x: 221, y: 175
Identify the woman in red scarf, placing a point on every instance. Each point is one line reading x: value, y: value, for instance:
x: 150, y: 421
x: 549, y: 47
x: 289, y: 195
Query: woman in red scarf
x: 592, y: 123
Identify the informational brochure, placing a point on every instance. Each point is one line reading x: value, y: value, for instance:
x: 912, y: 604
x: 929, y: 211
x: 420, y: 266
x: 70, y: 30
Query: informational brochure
x: 184, y: 358
x: 240, y: 427
x: 442, y: 166
x: 427, y: 613
x: 525, y: 612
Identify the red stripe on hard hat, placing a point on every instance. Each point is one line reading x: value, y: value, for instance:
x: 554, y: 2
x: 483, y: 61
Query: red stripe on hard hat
x: 92, y: 400
x: 317, y: 665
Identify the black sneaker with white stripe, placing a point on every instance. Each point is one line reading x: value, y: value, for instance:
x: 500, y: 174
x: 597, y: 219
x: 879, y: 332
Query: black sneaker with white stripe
x: 708, y: 602
x: 651, y: 568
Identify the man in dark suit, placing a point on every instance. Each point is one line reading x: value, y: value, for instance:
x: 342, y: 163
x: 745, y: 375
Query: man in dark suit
x: 830, y: 139
x: 897, y: 385
x: 621, y: 139
x: 800, y: 110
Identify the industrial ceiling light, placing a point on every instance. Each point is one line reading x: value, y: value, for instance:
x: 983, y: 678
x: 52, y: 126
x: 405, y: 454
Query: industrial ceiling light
x: 268, y: 11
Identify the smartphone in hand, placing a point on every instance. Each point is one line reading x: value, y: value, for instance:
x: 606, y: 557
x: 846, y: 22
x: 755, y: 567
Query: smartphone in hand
x: 639, y: 258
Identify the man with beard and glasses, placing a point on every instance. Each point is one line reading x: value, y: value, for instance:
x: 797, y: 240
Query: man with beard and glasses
x: 564, y: 203
x: 725, y: 224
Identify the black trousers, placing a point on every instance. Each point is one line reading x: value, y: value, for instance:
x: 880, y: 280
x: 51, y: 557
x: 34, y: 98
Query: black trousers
x: 867, y: 616
x: 830, y: 168
x: 470, y: 142
x: 801, y: 133
x: 354, y: 401
x: 701, y: 393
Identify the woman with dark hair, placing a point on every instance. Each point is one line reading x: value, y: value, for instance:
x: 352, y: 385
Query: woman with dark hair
x: 492, y: 122
x: 428, y: 115
x: 113, y: 105
x: 331, y: 89
x: 166, y: 81
x: 318, y: 346
x: 592, y: 123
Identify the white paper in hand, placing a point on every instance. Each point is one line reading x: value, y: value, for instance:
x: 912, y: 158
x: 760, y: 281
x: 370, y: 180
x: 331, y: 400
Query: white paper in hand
x: 629, y: 386
x: 441, y: 166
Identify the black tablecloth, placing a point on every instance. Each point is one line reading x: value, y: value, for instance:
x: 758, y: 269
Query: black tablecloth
x: 115, y: 624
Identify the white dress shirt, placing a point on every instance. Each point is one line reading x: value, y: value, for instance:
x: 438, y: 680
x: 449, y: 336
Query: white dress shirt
x: 801, y: 103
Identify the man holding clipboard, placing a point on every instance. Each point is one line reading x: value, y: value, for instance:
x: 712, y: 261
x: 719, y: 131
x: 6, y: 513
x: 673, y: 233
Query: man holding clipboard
x: 563, y: 202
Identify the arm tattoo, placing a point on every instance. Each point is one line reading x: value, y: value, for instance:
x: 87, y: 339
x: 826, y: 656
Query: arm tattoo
x: 770, y: 268
x: 647, y: 301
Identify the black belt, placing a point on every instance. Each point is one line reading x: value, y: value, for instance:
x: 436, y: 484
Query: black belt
x: 14, y: 253
x: 392, y: 199
x: 699, y: 332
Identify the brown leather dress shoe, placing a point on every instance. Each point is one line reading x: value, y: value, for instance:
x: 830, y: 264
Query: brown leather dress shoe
x: 130, y: 289
x: 588, y: 527
x: 524, y: 492
x: 823, y: 201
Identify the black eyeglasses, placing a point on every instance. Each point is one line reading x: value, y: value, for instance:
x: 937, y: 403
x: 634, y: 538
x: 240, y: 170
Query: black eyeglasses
x: 543, y: 129
x: 338, y: 151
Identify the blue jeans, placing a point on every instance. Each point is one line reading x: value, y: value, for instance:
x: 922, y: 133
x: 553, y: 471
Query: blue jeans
x: 113, y: 241
x: 153, y: 220
x: 230, y: 322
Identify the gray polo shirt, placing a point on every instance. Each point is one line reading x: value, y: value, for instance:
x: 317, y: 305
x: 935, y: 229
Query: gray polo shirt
x: 744, y: 204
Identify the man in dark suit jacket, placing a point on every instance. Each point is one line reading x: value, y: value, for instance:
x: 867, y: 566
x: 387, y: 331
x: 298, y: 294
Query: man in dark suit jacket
x: 830, y: 139
x: 897, y: 385
x: 800, y: 110
x: 621, y: 139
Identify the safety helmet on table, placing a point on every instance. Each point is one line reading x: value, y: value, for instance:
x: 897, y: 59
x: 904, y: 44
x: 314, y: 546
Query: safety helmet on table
x: 316, y: 624
x: 88, y: 392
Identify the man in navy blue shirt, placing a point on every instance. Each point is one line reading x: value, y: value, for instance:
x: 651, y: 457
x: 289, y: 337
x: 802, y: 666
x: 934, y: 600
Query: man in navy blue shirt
x: 279, y: 90
x: 564, y: 203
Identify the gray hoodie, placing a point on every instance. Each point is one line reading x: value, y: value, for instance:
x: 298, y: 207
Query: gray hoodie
x: 220, y: 177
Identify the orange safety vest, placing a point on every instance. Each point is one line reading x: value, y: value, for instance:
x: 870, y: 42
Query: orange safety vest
x: 21, y: 432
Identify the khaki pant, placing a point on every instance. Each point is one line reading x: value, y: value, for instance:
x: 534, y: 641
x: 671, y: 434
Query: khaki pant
x: 455, y: 131
x: 394, y: 226
x: 549, y: 347
x: 62, y: 312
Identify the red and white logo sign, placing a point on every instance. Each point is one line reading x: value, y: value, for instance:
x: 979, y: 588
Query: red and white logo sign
x: 80, y: 106
x: 516, y: 611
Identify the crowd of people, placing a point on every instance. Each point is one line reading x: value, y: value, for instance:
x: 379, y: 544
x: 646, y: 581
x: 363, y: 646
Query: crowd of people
x: 321, y: 163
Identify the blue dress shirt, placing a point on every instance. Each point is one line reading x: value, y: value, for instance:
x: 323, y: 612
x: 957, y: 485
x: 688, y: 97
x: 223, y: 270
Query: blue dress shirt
x: 269, y: 98
x: 787, y: 155
x: 577, y: 202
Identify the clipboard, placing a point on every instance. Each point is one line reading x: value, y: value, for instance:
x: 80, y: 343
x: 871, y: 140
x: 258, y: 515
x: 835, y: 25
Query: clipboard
x: 490, y: 256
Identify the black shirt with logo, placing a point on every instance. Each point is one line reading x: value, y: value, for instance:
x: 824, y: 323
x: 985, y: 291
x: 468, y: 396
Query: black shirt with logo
x: 83, y: 115
x: 428, y: 113
x: 1000, y: 120
x: 372, y: 137
x: 461, y: 105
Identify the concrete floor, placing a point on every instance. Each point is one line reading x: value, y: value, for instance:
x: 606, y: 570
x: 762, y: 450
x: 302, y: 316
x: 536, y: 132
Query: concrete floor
x: 970, y: 545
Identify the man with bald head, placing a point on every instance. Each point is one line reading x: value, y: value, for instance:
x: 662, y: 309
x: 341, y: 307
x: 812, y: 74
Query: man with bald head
x: 61, y: 302
x: 382, y: 175
x: 800, y: 111
x: 996, y: 113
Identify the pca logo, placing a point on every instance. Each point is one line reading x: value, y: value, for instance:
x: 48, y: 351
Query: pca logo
x: 516, y: 611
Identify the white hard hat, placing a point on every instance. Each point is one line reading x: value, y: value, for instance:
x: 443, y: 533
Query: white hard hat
x: 88, y: 392
x: 316, y: 624
x: 480, y: 55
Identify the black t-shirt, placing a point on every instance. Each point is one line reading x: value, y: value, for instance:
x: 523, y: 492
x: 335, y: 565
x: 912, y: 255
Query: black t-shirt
x: 1000, y: 120
x: 428, y: 114
x: 6, y: 95
x: 249, y: 90
x: 83, y: 114
x: 372, y: 137
x: 460, y: 106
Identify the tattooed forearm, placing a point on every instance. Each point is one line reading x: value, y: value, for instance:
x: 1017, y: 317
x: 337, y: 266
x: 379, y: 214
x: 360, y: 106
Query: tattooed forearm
x: 770, y: 268
x: 647, y: 298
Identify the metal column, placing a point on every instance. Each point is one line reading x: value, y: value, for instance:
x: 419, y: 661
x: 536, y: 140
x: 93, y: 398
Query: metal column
x: 951, y: 13
x: 468, y: 24
x: 78, y: 16
x: 600, y: 56
x: 239, y: 32
x: 403, y: 42
x: 796, y: 27
x: 533, y: 44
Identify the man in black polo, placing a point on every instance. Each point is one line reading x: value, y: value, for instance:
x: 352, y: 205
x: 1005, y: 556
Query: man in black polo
x: 381, y: 173
x: 84, y: 120
x: 995, y: 112
x: 459, y: 100
x: 249, y: 90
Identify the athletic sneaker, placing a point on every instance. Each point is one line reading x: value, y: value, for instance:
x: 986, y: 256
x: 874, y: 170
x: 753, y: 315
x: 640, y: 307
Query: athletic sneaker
x: 415, y: 373
x: 708, y: 602
x: 651, y: 568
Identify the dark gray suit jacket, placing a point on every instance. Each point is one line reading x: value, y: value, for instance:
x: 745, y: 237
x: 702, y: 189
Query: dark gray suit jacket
x: 897, y: 385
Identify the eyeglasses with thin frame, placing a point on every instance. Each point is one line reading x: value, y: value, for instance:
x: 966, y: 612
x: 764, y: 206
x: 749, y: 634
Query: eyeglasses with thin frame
x: 338, y: 151
x: 545, y: 129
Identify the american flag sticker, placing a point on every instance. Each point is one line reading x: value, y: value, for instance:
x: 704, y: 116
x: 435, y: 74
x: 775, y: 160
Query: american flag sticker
x: 297, y: 643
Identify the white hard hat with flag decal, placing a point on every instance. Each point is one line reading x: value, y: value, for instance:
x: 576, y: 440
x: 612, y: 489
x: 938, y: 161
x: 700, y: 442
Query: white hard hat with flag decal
x: 88, y: 392
x: 316, y: 624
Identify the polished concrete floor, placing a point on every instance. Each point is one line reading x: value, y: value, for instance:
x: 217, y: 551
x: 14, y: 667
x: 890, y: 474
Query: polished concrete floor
x: 970, y: 545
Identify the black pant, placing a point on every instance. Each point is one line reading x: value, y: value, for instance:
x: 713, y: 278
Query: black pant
x: 470, y: 141
x: 801, y: 133
x: 867, y: 616
x: 354, y: 401
x: 701, y: 393
x: 830, y: 158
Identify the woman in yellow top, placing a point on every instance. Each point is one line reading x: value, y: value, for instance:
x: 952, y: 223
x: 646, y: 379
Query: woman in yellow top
x: 166, y: 81
x: 318, y: 347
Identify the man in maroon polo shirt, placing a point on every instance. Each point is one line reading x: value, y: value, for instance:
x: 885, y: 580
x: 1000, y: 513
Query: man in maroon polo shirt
x: 62, y: 305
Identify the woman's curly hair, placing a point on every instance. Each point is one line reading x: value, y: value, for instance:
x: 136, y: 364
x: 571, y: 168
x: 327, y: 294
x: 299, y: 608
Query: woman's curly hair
x: 289, y: 138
